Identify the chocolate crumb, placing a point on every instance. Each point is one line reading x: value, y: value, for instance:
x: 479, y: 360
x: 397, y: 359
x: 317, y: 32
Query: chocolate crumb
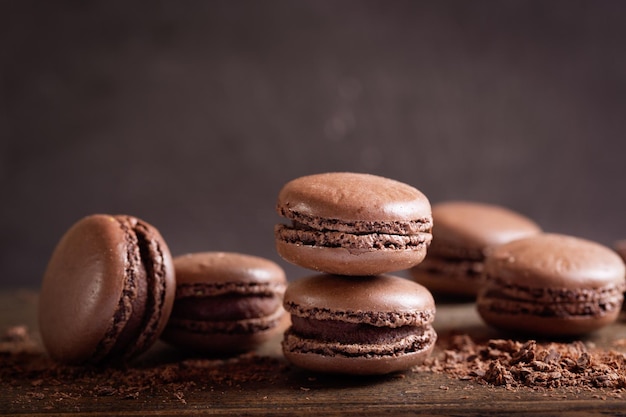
x: 539, y: 366
x: 26, y: 368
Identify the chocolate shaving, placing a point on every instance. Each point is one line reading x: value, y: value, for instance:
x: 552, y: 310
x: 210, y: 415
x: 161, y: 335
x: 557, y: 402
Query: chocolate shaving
x: 516, y: 364
x: 31, y: 377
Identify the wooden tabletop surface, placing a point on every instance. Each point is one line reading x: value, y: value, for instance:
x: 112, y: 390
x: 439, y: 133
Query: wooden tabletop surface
x: 167, y: 382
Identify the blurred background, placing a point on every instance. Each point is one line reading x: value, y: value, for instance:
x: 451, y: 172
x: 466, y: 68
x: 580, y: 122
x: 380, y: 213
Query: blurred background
x: 193, y: 114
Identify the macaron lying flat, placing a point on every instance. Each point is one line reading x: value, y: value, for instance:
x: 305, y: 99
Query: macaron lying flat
x: 352, y: 224
x: 226, y: 302
x: 552, y: 285
x: 462, y: 233
x: 619, y: 246
x: 107, y: 291
x: 358, y: 325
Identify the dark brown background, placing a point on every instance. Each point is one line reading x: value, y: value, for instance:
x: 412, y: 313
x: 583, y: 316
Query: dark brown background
x: 193, y: 114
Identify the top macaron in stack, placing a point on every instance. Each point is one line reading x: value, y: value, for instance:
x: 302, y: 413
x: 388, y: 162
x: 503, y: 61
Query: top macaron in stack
x: 353, y: 224
x: 355, y: 228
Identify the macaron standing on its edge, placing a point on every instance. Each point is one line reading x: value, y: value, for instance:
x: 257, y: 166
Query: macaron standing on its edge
x: 226, y: 303
x: 552, y: 285
x: 107, y: 291
x: 352, y: 224
x: 358, y: 325
x: 462, y: 233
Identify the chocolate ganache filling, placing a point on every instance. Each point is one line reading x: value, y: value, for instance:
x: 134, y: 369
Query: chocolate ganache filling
x: 136, y: 317
x: 552, y: 302
x: 315, y: 231
x: 350, y: 333
x: 226, y: 307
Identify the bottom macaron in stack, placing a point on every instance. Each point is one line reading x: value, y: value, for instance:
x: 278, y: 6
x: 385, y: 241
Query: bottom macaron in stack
x: 358, y: 325
x: 352, y: 317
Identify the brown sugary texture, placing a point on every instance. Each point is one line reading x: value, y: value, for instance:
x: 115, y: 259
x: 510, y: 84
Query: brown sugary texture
x: 516, y: 364
x: 423, y: 225
x: 335, y: 239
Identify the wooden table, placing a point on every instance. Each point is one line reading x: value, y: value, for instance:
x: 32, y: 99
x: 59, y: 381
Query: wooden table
x: 263, y: 383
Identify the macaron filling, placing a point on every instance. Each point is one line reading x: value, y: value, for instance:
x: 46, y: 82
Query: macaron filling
x: 397, y: 227
x: 135, y: 321
x: 422, y: 339
x: 450, y: 251
x: 358, y: 333
x: 353, y: 235
x: 374, y: 318
x: 228, y: 327
x: 227, y: 307
x: 350, y: 333
x: 501, y: 297
x: 465, y: 269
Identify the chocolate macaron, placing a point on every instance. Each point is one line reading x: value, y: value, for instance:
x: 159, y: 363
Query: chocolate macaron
x: 620, y: 247
x: 352, y: 224
x: 107, y: 291
x: 358, y: 325
x: 552, y: 285
x: 226, y: 302
x: 463, y: 232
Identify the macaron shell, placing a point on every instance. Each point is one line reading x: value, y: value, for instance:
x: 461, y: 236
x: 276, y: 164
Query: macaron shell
x: 556, y: 261
x: 227, y: 302
x: 93, y: 272
x: 354, y: 196
x: 358, y: 365
x: 476, y: 226
x: 210, y: 342
x: 341, y: 261
x: 378, y: 294
x: 226, y: 267
x: 547, y: 326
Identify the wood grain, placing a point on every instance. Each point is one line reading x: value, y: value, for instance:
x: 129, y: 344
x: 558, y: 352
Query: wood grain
x: 167, y: 382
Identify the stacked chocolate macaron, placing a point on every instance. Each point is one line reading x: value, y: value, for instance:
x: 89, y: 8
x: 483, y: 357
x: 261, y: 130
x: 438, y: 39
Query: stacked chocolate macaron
x: 352, y: 317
